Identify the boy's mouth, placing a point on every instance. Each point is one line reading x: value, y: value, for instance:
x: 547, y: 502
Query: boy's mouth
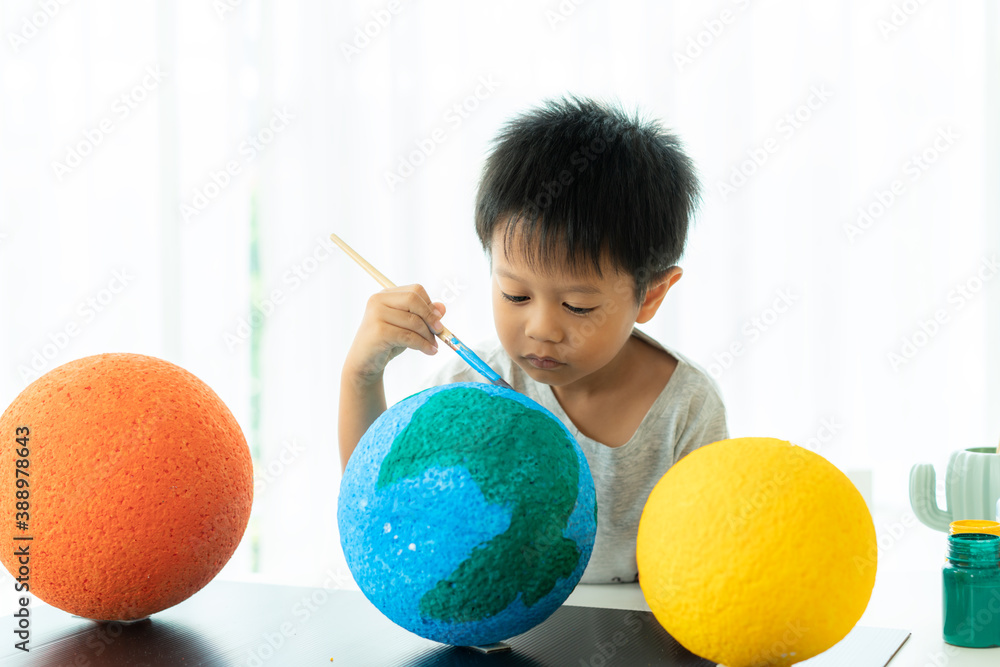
x: 542, y: 362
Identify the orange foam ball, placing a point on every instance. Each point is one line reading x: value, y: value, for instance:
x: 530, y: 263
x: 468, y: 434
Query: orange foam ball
x: 140, y: 485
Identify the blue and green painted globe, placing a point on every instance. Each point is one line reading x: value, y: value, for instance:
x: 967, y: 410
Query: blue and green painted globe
x: 467, y: 513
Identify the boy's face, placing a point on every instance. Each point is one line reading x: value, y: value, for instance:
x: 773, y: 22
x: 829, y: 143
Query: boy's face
x: 561, y: 324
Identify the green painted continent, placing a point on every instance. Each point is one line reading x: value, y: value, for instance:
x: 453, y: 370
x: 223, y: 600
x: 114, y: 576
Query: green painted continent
x: 512, y: 452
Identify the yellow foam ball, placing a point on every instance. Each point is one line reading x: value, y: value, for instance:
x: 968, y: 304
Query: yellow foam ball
x: 754, y: 551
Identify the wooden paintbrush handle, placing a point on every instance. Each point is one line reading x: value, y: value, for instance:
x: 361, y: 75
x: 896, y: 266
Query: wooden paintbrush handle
x: 448, y: 337
x: 363, y: 263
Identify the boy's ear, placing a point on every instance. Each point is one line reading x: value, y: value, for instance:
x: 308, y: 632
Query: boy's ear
x: 655, y: 294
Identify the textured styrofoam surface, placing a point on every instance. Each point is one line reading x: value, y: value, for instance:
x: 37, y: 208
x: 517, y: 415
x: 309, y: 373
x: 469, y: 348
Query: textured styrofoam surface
x: 467, y: 513
x: 140, y: 485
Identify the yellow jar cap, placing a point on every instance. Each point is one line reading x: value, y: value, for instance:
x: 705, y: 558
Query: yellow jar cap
x: 974, y: 526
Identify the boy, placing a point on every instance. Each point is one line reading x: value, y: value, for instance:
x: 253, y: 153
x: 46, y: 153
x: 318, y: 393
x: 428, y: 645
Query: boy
x: 583, y: 213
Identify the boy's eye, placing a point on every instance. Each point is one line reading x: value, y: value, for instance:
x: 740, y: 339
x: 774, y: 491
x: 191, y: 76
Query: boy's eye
x: 522, y: 299
x: 515, y: 299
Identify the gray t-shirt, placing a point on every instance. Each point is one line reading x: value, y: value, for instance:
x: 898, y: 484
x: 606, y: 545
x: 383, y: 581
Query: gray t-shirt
x: 687, y: 414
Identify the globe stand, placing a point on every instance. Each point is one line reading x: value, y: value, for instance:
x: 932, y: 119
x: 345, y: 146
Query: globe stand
x: 496, y: 647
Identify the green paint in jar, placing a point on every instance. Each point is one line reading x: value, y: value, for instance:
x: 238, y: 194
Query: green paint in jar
x: 972, y: 590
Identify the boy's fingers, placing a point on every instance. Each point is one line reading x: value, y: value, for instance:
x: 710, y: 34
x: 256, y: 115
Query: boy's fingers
x: 413, y: 298
x: 406, y: 338
x: 407, y: 321
x: 415, y: 341
x: 422, y: 305
x: 415, y: 289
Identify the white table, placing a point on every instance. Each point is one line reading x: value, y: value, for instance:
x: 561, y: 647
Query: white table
x: 910, y: 600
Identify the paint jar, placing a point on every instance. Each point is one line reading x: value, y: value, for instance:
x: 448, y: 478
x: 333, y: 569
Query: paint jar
x: 972, y: 590
x: 974, y: 526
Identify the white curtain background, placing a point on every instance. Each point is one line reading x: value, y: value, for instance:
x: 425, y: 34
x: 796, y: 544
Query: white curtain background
x: 277, y: 123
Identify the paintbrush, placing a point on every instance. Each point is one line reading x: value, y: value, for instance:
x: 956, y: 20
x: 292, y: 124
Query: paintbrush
x: 448, y: 337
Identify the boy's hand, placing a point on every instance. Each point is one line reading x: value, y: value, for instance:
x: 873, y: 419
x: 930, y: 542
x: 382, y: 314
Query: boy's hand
x: 394, y: 319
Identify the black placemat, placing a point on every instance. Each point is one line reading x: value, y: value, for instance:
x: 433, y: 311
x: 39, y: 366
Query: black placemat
x: 230, y: 624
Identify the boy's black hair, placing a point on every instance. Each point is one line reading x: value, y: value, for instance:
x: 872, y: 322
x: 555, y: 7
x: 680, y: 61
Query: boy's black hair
x: 579, y: 179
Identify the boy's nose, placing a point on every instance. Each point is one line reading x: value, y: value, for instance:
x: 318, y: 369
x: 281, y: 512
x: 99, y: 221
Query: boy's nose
x: 542, y: 326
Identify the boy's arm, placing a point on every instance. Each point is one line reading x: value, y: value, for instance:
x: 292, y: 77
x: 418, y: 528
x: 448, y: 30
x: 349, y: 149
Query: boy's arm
x: 394, y: 319
x: 361, y: 403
